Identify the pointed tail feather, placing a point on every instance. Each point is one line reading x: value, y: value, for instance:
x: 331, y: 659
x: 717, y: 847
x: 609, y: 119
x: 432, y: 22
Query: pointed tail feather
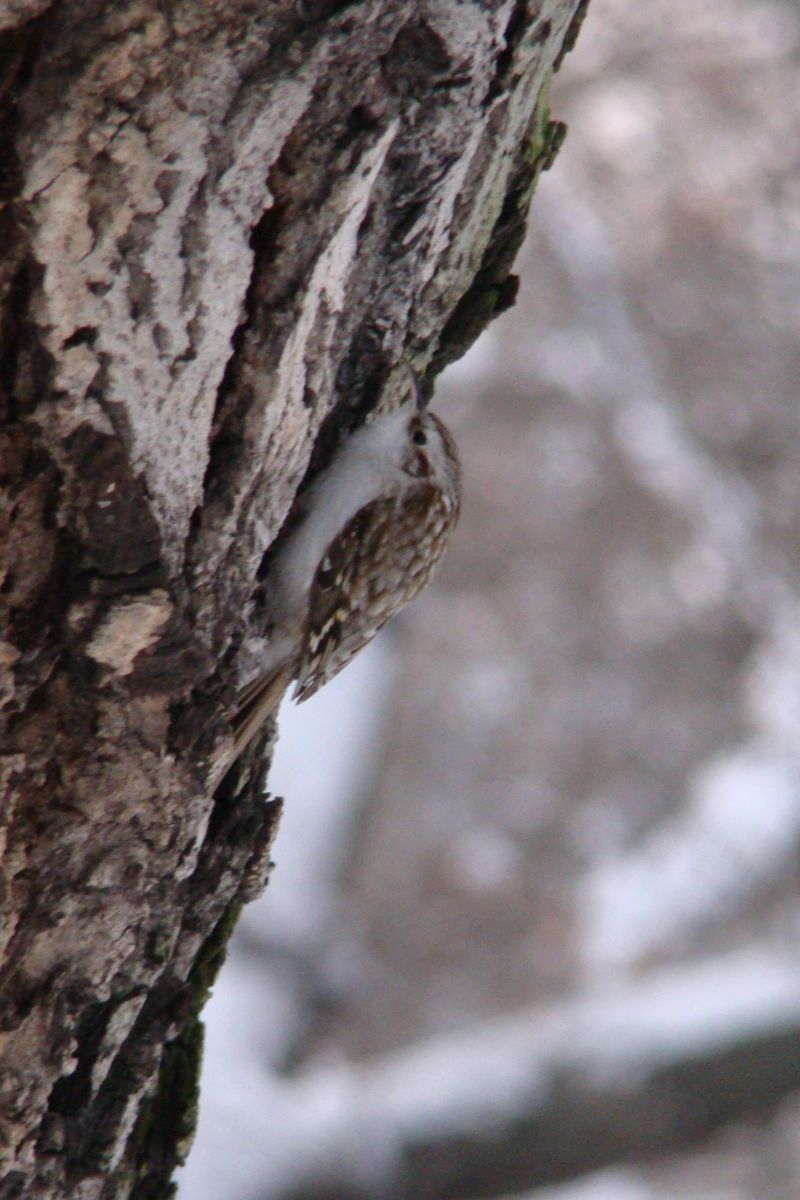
x: 256, y: 703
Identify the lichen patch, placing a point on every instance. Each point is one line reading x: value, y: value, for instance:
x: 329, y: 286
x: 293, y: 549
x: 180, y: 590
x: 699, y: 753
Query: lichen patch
x: 131, y: 627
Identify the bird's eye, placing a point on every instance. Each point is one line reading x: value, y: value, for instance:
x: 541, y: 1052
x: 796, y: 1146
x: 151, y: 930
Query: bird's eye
x: 419, y: 437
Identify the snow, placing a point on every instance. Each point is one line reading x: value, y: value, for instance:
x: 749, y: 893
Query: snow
x: 353, y: 1122
x: 741, y: 823
x: 604, y: 1185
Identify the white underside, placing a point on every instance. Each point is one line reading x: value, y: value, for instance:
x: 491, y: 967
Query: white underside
x: 368, y: 464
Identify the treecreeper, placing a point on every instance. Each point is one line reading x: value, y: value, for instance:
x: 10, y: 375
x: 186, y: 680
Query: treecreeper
x: 370, y: 530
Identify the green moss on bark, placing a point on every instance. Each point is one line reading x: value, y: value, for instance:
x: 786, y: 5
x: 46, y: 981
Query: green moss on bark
x: 571, y: 36
x: 167, y: 1119
x: 494, y: 288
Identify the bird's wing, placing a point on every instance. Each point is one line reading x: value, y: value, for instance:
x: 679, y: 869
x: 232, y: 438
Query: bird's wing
x: 369, y: 571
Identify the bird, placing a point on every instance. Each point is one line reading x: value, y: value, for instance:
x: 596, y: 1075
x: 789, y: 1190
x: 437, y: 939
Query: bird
x: 370, y: 530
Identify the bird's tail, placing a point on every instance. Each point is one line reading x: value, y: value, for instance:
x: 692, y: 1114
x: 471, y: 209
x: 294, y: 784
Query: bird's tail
x: 256, y: 703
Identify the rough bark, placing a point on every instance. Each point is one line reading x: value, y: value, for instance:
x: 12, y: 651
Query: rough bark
x: 223, y: 227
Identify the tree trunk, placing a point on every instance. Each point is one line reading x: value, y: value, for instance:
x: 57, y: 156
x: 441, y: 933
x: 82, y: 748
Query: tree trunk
x: 223, y: 229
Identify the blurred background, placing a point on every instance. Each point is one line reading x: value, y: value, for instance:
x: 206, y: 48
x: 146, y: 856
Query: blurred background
x: 533, y: 929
